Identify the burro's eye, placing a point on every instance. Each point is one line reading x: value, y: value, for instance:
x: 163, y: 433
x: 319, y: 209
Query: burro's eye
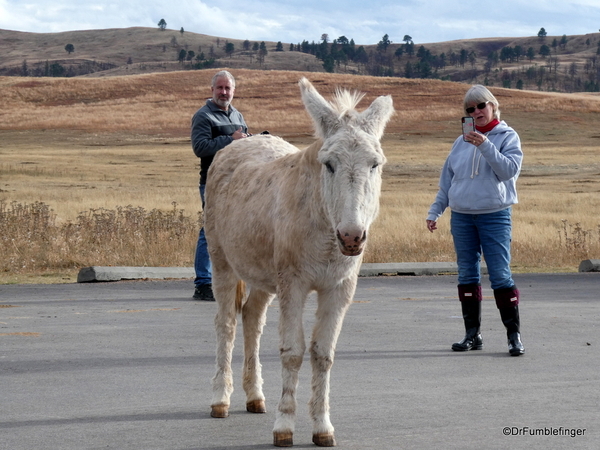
x: 329, y: 167
x: 374, y: 167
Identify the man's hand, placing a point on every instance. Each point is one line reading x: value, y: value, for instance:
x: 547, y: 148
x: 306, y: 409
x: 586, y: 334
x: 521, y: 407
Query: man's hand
x: 238, y: 134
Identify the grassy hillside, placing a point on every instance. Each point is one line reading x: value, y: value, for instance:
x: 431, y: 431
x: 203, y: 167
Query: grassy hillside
x: 85, y: 160
x: 146, y: 49
x: 572, y: 66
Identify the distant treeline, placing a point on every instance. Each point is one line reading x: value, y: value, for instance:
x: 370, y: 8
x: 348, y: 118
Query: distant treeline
x: 545, y: 73
x: 56, y: 69
x: 537, y: 67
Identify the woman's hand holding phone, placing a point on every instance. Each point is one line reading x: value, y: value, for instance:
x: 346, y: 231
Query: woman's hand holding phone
x: 468, y: 126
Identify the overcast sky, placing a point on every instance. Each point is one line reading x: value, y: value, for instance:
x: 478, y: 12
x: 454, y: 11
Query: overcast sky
x: 293, y: 21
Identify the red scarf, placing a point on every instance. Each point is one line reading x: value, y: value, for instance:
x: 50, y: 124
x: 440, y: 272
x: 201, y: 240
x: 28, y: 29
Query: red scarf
x: 488, y: 127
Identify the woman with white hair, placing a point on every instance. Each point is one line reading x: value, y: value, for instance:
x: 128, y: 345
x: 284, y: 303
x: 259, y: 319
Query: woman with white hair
x: 478, y: 184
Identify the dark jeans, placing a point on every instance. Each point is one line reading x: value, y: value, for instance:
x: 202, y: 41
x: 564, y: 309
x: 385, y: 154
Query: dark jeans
x: 202, y: 261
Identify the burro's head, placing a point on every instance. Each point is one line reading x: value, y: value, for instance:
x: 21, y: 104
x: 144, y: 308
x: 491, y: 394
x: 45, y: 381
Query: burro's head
x: 352, y: 160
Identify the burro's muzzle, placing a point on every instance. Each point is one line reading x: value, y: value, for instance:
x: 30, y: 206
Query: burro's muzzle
x: 351, y: 239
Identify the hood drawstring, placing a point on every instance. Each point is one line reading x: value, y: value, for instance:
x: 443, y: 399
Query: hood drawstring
x: 475, y: 167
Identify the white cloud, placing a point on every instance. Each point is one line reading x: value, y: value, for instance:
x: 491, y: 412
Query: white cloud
x: 296, y: 20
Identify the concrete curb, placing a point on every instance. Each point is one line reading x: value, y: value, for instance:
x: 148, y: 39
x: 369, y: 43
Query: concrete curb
x: 590, y: 265
x: 415, y: 268
x: 109, y: 273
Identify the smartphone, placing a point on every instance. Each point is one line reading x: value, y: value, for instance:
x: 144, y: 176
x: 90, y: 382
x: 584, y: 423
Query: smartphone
x: 468, y: 125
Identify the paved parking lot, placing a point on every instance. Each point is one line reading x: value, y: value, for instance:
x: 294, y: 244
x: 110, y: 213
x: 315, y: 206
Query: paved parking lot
x: 128, y: 364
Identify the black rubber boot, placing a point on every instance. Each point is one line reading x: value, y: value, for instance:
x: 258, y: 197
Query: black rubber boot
x: 470, y: 302
x: 507, y: 301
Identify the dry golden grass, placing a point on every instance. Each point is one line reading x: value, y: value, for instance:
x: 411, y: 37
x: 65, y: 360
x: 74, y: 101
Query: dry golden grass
x: 94, y: 147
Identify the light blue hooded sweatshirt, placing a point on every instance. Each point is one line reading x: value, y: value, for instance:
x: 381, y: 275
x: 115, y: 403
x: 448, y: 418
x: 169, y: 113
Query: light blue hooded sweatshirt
x: 480, y: 180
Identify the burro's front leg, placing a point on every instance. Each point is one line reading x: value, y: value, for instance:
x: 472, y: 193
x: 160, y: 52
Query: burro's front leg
x: 332, y: 307
x: 291, y: 352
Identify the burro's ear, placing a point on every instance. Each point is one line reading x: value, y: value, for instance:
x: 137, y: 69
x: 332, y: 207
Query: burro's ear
x: 374, y: 119
x: 325, y: 118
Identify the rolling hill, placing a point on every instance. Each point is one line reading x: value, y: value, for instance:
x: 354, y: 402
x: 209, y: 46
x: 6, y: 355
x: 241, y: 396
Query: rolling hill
x: 572, y: 66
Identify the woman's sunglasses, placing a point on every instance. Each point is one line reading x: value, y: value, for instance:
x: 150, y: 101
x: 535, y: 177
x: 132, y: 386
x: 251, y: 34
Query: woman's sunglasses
x: 480, y: 106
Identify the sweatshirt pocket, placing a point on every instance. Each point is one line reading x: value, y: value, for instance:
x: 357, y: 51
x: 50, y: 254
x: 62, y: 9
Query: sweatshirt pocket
x: 476, y: 194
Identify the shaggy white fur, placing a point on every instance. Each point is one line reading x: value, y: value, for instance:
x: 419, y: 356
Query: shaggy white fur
x: 287, y: 222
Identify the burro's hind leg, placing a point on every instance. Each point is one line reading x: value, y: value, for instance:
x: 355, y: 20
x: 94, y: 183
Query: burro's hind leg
x: 291, y: 352
x: 224, y: 288
x: 254, y: 314
x: 331, y: 309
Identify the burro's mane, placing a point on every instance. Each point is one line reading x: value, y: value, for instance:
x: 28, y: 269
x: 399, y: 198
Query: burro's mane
x: 346, y: 101
x: 344, y: 105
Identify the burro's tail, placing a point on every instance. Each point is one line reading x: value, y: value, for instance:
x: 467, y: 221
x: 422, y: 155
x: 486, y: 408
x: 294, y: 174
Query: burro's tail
x: 240, y: 294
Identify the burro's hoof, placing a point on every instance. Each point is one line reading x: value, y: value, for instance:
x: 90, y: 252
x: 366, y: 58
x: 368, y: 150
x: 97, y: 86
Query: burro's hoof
x: 324, y: 439
x: 219, y: 411
x: 256, y: 406
x: 283, y: 438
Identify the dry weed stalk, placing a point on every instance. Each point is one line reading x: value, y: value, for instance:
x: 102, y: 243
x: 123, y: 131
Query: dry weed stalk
x: 575, y: 239
x: 131, y: 236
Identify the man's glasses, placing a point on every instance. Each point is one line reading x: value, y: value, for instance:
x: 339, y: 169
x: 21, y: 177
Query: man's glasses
x: 480, y: 106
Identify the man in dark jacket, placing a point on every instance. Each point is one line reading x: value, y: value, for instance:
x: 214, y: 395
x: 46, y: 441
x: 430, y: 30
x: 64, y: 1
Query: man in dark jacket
x: 214, y: 126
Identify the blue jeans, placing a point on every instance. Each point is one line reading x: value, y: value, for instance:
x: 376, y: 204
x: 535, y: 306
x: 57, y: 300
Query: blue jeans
x: 202, y: 261
x: 489, y: 234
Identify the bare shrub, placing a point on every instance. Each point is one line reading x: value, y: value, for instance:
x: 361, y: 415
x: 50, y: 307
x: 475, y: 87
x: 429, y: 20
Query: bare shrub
x: 575, y: 239
x: 128, y: 236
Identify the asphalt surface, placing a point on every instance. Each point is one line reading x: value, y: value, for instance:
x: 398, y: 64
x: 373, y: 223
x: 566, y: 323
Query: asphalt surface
x: 128, y: 364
